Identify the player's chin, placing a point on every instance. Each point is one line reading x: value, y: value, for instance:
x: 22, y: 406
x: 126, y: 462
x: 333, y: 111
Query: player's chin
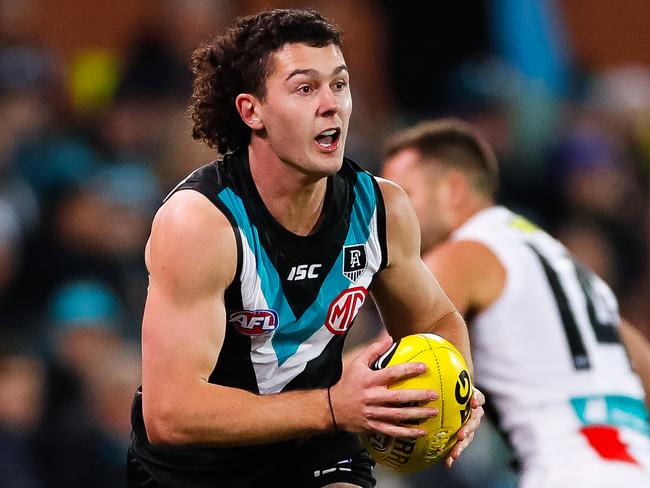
x: 329, y: 163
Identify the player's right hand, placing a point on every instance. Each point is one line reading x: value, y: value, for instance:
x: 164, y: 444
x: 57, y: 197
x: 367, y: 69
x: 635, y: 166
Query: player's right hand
x: 362, y: 401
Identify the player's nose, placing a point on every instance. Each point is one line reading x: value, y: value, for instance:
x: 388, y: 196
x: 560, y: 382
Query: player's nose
x: 328, y: 102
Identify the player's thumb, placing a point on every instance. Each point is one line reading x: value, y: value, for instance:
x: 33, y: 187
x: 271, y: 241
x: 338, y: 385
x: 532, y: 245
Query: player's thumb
x: 375, y: 350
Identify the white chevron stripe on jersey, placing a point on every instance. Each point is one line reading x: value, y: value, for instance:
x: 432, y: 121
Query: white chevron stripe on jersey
x: 272, y: 378
x: 251, y: 285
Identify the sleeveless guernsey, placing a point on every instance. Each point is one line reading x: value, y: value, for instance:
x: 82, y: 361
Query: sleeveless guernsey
x: 287, y: 310
x: 548, y: 355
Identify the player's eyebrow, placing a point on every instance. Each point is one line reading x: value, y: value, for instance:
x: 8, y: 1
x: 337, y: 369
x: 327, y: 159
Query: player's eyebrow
x: 315, y: 73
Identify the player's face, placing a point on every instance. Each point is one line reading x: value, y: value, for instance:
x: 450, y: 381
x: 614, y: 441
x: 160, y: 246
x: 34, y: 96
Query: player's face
x: 307, y: 107
x: 426, y: 187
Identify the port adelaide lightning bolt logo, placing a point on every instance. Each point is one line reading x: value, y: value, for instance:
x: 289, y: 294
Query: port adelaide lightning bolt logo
x: 354, y: 261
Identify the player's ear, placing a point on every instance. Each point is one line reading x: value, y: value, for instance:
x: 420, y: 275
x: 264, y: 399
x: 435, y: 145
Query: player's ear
x: 248, y: 107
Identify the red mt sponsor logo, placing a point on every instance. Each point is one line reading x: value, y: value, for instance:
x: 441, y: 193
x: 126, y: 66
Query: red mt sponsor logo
x: 254, y: 322
x: 344, y: 309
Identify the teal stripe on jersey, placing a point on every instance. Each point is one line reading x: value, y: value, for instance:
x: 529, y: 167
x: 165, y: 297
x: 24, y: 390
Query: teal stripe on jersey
x: 269, y: 279
x: 292, y: 332
x: 286, y: 340
x: 620, y: 411
x: 362, y: 211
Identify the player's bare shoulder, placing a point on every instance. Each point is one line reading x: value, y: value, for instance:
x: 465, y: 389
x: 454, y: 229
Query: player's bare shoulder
x: 191, y: 240
x: 402, y: 228
x: 466, y: 253
x: 470, y: 273
x: 396, y: 200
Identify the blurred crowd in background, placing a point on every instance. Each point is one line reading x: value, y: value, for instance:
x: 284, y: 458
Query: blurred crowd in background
x: 94, y: 133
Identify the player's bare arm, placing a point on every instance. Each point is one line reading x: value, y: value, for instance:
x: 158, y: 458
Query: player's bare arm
x: 638, y: 348
x: 183, y: 331
x: 410, y: 300
x: 407, y: 294
x: 471, y: 275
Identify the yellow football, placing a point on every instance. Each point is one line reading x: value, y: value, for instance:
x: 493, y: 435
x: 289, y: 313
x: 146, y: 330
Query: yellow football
x: 447, y: 373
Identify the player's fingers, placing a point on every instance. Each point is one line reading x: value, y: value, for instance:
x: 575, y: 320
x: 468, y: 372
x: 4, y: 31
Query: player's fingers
x: 478, y: 398
x: 395, y: 430
x: 461, y: 446
x: 391, y: 374
x: 474, y: 420
x: 400, y: 396
x: 376, y: 349
x: 458, y: 450
x: 465, y: 431
x: 403, y: 414
x: 449, y: 460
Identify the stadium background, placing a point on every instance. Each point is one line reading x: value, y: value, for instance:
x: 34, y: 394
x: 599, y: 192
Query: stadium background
x: 93, y: 134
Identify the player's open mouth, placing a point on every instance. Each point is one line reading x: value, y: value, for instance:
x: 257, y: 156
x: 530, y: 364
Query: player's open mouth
x: 329, y: 139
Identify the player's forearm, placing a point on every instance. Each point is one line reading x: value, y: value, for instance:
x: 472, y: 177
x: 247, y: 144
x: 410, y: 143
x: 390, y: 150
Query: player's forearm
x: 452, y: 327
x: 215, y: 415
x: 638, y: 350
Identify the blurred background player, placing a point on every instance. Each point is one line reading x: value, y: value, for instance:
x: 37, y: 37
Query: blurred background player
x: 546, y: 335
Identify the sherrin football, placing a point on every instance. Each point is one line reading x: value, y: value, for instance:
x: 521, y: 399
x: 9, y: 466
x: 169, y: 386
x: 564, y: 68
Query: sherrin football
x: 447, y: 373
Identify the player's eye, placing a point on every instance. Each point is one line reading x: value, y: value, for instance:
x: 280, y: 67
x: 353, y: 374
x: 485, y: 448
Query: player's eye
x: 306, y: 89
x: 340, y: 84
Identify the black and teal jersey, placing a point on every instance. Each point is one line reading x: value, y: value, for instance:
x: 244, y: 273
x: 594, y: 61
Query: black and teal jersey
x: 293, y: 298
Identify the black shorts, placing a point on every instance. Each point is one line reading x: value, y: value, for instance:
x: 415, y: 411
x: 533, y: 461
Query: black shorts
x: 316, y: 462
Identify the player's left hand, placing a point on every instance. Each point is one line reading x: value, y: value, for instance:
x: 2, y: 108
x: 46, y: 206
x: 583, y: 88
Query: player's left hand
x: 466, y: 433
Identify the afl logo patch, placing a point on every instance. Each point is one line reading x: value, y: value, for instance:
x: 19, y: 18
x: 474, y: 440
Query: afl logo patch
x: 354, y: 261
x: 254, y: 322
x: 344, y: 309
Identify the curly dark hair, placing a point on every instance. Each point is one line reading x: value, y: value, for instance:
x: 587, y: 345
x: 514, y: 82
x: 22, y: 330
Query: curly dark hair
x: 239, y: 61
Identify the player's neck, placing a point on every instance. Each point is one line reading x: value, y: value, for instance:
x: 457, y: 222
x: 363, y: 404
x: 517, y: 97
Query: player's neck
x: 294, y: 198
x: 472, y: 206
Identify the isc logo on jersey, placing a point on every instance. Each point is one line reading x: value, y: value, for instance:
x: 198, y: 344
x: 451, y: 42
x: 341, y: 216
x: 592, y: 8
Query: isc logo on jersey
x: 304, y: 271
x: 254, y: 322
